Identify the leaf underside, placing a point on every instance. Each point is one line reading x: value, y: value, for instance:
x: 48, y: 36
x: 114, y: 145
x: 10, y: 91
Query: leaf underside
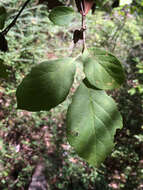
x: 92, y: 121
x: 46, y: 86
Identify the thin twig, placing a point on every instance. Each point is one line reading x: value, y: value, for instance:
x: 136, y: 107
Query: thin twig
x: 84, y: 34
x: 5, y: 31
x: 83, y: 27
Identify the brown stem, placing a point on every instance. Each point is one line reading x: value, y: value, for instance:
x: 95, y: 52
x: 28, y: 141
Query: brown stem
x: 84, y: 34
x: 83, y: 27
x: 5, y: 31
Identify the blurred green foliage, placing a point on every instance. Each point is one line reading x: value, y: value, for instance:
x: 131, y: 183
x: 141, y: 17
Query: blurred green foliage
x: 25, y: 137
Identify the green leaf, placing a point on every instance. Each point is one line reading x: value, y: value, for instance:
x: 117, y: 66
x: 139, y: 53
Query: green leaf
x: 2, y: 17
x: 92, y: 121
x: 61, y: 15
x: 102, y: 69
x: 47, y: 85
x: 3, y: 70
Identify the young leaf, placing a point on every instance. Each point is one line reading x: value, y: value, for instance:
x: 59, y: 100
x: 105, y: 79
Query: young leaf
x: 61, y: 15
x: 2, y: 17
x: 87, y: 5
x: 47, y: 85
x: 103, y: 70
x: 92, y: 121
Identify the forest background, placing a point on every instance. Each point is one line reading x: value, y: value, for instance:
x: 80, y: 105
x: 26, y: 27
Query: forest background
x: 27, y: 137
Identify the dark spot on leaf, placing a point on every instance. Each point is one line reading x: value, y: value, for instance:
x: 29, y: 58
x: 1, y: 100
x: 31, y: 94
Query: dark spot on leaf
x: 75, y: 133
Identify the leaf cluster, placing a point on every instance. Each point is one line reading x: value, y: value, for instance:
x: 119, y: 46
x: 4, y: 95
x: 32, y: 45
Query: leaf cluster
x: 92, y: 117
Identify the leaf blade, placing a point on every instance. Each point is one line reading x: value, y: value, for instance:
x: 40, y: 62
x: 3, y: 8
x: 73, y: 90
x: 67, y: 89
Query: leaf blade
x: 91, y: 125
x: 61, y: 15
x: 103, y: 70
x: 47, y: 85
